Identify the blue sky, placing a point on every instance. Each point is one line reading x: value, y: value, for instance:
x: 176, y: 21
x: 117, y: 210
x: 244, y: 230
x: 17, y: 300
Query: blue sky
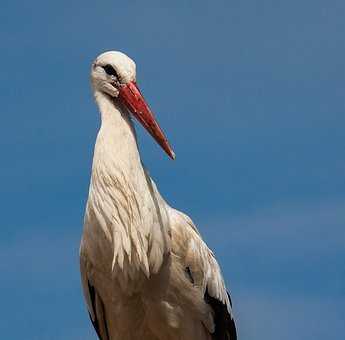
x: 251, y: 96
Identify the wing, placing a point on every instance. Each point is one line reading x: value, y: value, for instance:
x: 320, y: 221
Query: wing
x: 204, y: 273
x: 94, y: 302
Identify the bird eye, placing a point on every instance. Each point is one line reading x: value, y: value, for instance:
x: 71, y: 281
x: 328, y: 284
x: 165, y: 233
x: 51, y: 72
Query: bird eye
x: 110, y: 71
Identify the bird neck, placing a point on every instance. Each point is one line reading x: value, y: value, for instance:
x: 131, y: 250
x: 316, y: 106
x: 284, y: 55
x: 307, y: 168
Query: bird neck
x: 123, y: 201
x: 117, y: 130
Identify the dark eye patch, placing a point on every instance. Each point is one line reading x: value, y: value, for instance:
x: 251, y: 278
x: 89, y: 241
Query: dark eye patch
x: 110, y: 71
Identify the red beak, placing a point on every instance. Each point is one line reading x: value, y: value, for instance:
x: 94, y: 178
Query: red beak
x: 136, y: 104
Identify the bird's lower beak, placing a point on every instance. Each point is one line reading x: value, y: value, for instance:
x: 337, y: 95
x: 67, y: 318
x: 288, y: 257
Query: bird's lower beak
x: 131, y: 96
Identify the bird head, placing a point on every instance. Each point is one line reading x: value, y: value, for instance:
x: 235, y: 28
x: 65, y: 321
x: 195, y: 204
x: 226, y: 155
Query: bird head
x: 114, y: 74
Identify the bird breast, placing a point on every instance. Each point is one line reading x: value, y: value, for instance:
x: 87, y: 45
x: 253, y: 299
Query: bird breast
x: 126, y: 233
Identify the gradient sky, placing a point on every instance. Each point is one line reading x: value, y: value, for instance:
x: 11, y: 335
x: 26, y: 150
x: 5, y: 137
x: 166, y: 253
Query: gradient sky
x: 251, y: 96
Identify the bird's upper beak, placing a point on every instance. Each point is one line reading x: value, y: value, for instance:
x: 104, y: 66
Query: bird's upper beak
x: 131, y: 96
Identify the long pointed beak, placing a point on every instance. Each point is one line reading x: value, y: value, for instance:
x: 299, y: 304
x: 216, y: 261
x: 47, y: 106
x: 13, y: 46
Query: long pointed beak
x: 131, y: 96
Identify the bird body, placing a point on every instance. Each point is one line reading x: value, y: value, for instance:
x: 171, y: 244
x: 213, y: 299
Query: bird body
x: 146, y: 272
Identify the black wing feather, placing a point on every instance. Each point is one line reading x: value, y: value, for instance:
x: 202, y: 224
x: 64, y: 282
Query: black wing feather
x: 225, y: 328
x: 99, y: 324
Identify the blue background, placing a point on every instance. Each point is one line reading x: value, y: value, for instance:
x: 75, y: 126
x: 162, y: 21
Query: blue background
x: 251, y: 96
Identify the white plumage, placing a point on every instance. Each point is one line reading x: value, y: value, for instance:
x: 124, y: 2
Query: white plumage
x: 146, y: 272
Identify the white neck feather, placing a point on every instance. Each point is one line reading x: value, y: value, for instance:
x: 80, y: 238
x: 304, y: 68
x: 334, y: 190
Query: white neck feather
x: 123, y: 200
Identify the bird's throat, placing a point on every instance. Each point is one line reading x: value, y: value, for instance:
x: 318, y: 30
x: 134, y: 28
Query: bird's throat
x: 116, y: 141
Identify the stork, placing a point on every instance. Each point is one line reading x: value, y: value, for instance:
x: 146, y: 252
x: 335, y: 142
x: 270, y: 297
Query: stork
x: 145, y: 270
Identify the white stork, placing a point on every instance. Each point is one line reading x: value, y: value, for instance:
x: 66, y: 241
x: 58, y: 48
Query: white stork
x: 146, y: 272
